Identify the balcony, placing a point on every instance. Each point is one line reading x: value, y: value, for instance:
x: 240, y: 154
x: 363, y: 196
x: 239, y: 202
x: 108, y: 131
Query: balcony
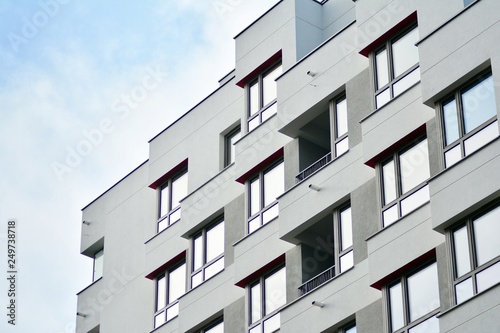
x: 317, y: 281
x: 316, y: 166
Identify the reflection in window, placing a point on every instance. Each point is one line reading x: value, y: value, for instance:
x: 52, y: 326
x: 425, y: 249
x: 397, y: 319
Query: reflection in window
x: 476, y: 258
x: 469, y: 119
x: 171, y: 193
x: 208, y: 253
x: 263, y: 190
x: 396, y: 66
x: 169, y: 287
x: 403, y: 181
x: 414, y: 301
x: 262, y: 95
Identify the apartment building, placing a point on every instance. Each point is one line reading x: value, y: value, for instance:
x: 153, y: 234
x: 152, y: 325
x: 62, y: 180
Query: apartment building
x: 344, y: 177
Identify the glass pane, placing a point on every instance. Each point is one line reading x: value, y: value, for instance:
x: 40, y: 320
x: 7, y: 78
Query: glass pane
x: 389, y: 182
x: 406, y: 82
x: 431, y: 325
x: 269, y: 112
x: 255, y: 303
x: 231, y: 150
x: 351, y: 330
x: 345, y: 229
x: 254, y: 224
x: 346, y: 261
x: 341, y: 147
x: 252, y: 124
x: 461, y: 251
x: 162, y: 225
x: 219, y: 328
x: 272, y: 324
x: 196, y: 279
x: 98, y: 264
x: 159, y: 319
x: 274, y: 183
x: 161, y: 293
x: 451, y: 121
x: 464, y: 290
x: 214, y: 268
x: 179, y: 189
x: 452, y: 156
x: 390, y: 215
x: 423, y: 292
x: 198, y: 252
x: 414, y: 166
x: 405, y: 52
x: 215, y: 241
x: 254, y: 98
x: 271, y: 213
x: 415, y: 200
x: 478, y: 104
x: 164, y: 201
x: 268, y: 81
x: 382, y: 68
x: 468, y: 2
x: 486, y: 231
x: 383, y: 98
x: 488, y: 277
x: 255, y: 329
x: 175, y: 216
x: 481, y: 138
x: 254, y: 196
x: 177, y: 283
x: 396, y: 307
x: 341, y: 117
x: 275, y: 291
x: 173, y: 311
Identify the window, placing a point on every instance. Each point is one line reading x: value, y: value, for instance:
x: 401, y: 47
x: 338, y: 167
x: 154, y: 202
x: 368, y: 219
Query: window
x: 217, y: 327
x: 476, y: 252
x: 469, y: 119
x: 169, y: 287
x: 413, y: 302
x: 351, y: 328
x: 171, y: 193
x: 263, y: 190
x: 345, y: 253
x: 267, y: 295
x: 396, y: 66
x: 229, y: 149
x: 262, y: 94
x: 403, y: 181
x: 338, y: 109
x: 98, y: 265
x: 208, y: 253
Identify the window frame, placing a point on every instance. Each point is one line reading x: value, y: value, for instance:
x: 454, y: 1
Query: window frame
x: 337, y: 230
x: 475, y: 269
x: 456, y: 96
x: 172, y: 211
x: 253, y: 324
x: 403, y: 280
x: 203, y: 234
x: 259, y: 79
x: 335, y: 137
x: 164, y: 310
x: 212, y: 325
x: 228, y: 145
x: 262, y: 207
x: 348, y: 327
x: 395, y: 157
x: 392, y: 80
x: 94, y: 278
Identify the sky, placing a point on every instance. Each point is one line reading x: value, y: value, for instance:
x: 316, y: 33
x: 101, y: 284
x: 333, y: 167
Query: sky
x: 84, y: 85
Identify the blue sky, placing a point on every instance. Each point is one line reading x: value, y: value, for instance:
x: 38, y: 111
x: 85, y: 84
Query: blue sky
x: 83, y: 86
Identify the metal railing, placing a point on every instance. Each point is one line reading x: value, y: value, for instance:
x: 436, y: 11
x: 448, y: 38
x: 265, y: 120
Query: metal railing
x: 317, y: 281
x: 314, y: 167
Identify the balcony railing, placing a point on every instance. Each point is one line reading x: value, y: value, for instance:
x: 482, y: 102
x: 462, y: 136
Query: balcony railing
x: 317, y: 281
x: 314, y: 167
